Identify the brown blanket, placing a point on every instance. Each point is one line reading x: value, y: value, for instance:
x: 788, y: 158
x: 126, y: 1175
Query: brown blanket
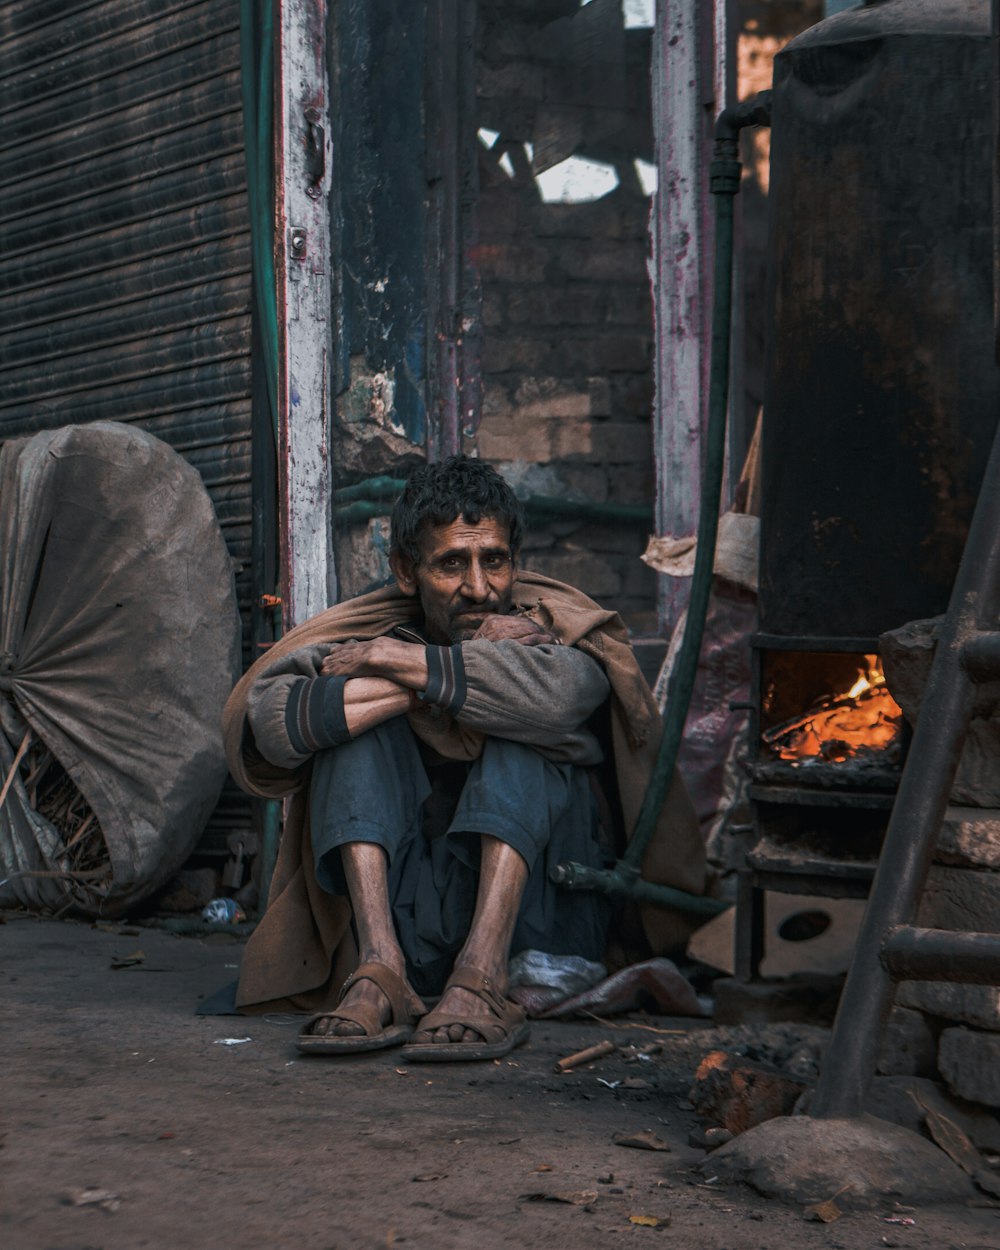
x: 302, y: 950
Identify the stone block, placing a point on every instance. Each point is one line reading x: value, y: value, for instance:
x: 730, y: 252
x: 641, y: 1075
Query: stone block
x: 632, y: 394
x: 531, y: 439
x: 584, y: 481
x: 521, y: 79
x: 499, y: 214
x: 961, y: 898
x: 629, y: 304
x: 631, y: 483
x: 970, y: 1064
x: 512, y: 262
x: 622, y: 442
x: 592, y: 574
x: 602, y: 260
x: 977, y: 781
x: 579, y: 304
x: 599, y: 219
x: 907, y: 654
x: 549, y: 397
x: 909, y: 1045
x: 622, y: 353
x: 599, y: 390
x: 510, y: 354
x: 494, y: 306
x: 978, y: 1005
x: 902, y: 1099
x: 970, y: 837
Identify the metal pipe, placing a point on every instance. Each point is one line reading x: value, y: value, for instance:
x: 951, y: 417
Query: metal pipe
x: 916, y: 815
x: 619, y: 881
x: 354, y: 503
x: 725, y: 174
x: 914, y: 954
x: 981, y: 656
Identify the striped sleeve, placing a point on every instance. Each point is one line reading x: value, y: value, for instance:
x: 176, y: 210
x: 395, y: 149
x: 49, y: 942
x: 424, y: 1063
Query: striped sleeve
x: 446, y: 685
x: 314, y: 714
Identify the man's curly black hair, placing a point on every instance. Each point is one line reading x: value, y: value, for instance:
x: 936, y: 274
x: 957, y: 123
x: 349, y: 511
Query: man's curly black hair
x: 438, y: 494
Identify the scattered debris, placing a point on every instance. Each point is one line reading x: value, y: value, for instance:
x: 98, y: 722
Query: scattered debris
x: 642, y: 1054
x: 709, y: 1138
x: 957, y: 1145
x: 543, y: 1167
x: 635, y: 1082
x: 650, y: 1221
x: 826, y: 1212
x: 231, y: 1041
x: 609, y: 1084
x: 736, y: 1095
x: 584, y: 1198
x: 646, y: 1140
x: 128, y: 961
x: 588, y: 1055
x: 655, y: 979
x: 906, y: 1220
x: 102, y: 1198
x: 430, y: 1176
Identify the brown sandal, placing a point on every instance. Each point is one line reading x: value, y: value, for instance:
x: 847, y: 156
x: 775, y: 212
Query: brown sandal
x: 505, y: 1028
x: 405, y: 1006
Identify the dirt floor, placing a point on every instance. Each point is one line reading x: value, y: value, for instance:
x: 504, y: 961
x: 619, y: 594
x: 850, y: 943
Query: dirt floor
x: 130, y: 1122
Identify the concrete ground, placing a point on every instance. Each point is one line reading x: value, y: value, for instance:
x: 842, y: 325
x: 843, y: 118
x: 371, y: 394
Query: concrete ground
x: 130, y: 1122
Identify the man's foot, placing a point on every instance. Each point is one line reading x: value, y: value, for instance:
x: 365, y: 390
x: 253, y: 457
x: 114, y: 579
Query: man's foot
x: 473, y: 1020
x: 377, y: 1009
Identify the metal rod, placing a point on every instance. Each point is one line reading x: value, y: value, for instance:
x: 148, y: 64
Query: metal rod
x: 916, y: 815
x: 620, y: 881
x: 914, y: 954
x: 981, y: 656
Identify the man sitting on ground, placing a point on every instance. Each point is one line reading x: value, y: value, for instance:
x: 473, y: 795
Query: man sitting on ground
x: 439, y: 738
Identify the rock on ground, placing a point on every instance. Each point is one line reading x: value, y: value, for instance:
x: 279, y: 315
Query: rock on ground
x: 805, y: 1160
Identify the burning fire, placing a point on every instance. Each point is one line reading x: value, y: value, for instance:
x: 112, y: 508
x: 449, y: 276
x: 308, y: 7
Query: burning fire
x: 862, y: 720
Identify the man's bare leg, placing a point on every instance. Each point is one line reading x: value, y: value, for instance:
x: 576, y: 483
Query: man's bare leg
x: 502, y: 877
x: 367, y: 883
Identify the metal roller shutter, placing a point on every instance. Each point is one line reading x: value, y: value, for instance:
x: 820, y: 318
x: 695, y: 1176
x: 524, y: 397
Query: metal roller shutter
x: 125, y: 286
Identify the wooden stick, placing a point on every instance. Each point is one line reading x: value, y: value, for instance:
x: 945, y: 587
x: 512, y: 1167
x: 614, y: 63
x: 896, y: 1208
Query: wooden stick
x: 25, y: 743
x: 79, y: 833
x: 606, y: 1047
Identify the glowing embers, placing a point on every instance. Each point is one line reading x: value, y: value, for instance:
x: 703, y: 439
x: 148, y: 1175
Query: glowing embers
x: 860, y: 721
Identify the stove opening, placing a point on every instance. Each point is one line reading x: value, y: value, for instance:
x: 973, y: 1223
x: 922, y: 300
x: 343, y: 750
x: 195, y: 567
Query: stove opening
x: 826, y: 708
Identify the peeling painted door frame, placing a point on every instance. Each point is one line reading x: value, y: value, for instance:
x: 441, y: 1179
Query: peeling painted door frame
x: 302, y: 265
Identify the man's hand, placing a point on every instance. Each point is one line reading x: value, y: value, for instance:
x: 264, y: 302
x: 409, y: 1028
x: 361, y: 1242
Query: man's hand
x: 353, y: 659
x: 513, y: 628
x: 402, y: 662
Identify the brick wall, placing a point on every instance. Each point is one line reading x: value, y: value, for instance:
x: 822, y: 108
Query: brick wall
x: 567, y: 314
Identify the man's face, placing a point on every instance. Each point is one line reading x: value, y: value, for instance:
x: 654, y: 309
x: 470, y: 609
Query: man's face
x: 465, y: 572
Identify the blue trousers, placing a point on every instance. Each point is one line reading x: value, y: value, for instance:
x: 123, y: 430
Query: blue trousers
x: 430, y: 822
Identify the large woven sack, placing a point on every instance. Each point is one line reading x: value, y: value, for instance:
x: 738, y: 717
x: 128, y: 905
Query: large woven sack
x: 119, y: 643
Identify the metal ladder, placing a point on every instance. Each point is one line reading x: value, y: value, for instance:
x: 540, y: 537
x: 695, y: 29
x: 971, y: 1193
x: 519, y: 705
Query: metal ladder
x: 890, y: 947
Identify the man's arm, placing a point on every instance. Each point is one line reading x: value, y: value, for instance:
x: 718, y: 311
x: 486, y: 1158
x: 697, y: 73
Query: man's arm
x: 535, y: 692
x: 296, y: 709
